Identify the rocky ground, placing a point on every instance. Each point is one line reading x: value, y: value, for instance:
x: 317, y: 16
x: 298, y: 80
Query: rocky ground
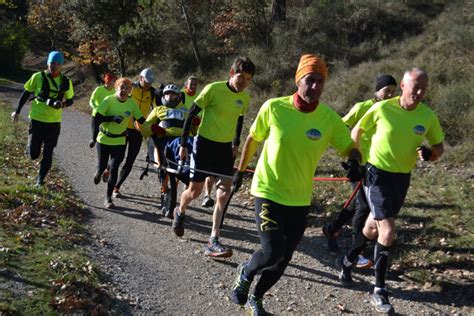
x: 153, y: 271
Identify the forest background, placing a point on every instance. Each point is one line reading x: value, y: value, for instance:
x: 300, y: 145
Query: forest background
x: 358, y: 39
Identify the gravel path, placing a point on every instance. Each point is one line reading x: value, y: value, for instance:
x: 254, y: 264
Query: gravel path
x: 160, y: 273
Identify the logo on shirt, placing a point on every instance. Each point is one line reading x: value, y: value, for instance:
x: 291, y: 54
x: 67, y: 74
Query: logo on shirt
x: 239, y: 103
x: 419, y: 130
x: 313, y: 134
x: 127, y: 113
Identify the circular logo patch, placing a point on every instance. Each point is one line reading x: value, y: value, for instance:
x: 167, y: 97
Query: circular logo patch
x: 419, y: 130
x: 313, y: 134
x: 239, y: 103
x: 127, y: 114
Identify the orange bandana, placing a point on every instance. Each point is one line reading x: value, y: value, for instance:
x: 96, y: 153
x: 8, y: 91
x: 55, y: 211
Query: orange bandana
x: 311, y: 63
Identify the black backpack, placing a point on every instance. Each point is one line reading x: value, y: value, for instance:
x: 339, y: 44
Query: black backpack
x: 46, y: 90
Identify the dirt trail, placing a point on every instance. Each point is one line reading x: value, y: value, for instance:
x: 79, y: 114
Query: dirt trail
x: 160, y: 273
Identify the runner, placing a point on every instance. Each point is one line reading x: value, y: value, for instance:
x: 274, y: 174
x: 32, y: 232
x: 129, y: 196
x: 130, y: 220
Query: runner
x: 98, y: 96
x: 385, y: 87
x: 144, y: 95
x: 190, y: 88
x: 52, y: 92
x: 111, y: 119
x: 224, y: 104
x: 398, y: 127
x: 296, y: 131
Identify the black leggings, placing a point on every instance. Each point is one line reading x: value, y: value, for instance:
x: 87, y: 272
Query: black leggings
x: 40, y: 133
x: 110, y: 156
x: 280, y: 229
x: 358, y: 210
x: 134, y: 142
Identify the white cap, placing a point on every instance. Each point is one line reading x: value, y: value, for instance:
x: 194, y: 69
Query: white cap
x: 148, y: 75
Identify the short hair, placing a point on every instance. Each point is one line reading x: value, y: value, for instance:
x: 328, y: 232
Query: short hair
x: 416, y: 70
x: 123, y: 80
x: 243, y: 64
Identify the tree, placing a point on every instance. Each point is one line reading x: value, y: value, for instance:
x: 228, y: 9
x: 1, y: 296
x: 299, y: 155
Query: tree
x: 278, y: 11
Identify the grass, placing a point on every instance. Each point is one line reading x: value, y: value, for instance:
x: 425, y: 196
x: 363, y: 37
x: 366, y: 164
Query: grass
x: 435, y: 228
x: 44, y: 268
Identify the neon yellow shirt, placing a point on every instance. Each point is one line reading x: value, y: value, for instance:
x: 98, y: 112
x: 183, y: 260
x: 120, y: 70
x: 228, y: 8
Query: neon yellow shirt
x: 398, y: 132
x: 354, y: 116
x: 294, y: 143
x: 144, y: 101
x: 171, y: 119
x: 111, y: 106
x: 98, y: 95
x: 221, y: 110
x: 40, y: 111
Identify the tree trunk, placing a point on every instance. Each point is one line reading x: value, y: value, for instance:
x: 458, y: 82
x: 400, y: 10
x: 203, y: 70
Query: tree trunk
x: 278, y: 11
x: 192, y: 37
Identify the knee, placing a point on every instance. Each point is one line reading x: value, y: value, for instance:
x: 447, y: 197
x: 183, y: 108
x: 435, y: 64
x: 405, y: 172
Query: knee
x: 387, y: 236
x: 273, y: 255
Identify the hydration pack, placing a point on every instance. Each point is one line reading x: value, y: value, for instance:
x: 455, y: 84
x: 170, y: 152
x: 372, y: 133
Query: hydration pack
x: 43, y: 95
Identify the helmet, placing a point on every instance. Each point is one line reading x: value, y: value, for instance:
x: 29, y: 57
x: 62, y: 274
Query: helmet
x: 174, y: 102
x: 171, y: 88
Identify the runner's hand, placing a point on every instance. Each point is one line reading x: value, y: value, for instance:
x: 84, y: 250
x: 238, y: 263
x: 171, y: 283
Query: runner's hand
x: 237, y: 180
x: 158, y: 130
x: 424, y: 153
x: 14, y: 117
x: 354, y: 171
x: 118, y: 119
x: 183, y: 153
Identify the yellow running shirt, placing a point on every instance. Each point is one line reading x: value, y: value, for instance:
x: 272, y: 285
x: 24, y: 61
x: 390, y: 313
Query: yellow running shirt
x: 39, y: 110
x: 295, y: 142
x: 171, y: 119
x: 113, y: 107
x: 98, y: 95
x: 397, y: 133
x: 351, y: 119
x: 221, y: 110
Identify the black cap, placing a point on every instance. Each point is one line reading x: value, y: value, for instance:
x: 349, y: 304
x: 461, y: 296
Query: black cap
x: 383, y: 81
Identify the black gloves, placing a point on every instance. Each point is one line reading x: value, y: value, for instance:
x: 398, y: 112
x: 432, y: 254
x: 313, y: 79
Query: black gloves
x: 426, y: 153
x: 117, y: 119
x: 354, y: 170
x: 237, y: 180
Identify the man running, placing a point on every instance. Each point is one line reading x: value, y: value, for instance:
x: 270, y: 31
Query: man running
x: 398, y: 127
x: 385, y: 87
x: 52, y: 92
x: 224, y: 104
x: 296, y: 131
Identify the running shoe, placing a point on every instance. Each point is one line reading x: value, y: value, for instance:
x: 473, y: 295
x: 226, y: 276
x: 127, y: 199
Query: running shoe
x: 216, y: 250
x: 105, y: 175
x: 97, y: 178
x: 345, y: 276
x: 116, y: 193
x: 364, y: 263
x: 178, y: 223
x: 331, y: 238
x: 379, y: 300
x: 207, y: 202
x: 109, y: 204
x: 240, y: 290
x: 39, y: 181
x: 255, y: 306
